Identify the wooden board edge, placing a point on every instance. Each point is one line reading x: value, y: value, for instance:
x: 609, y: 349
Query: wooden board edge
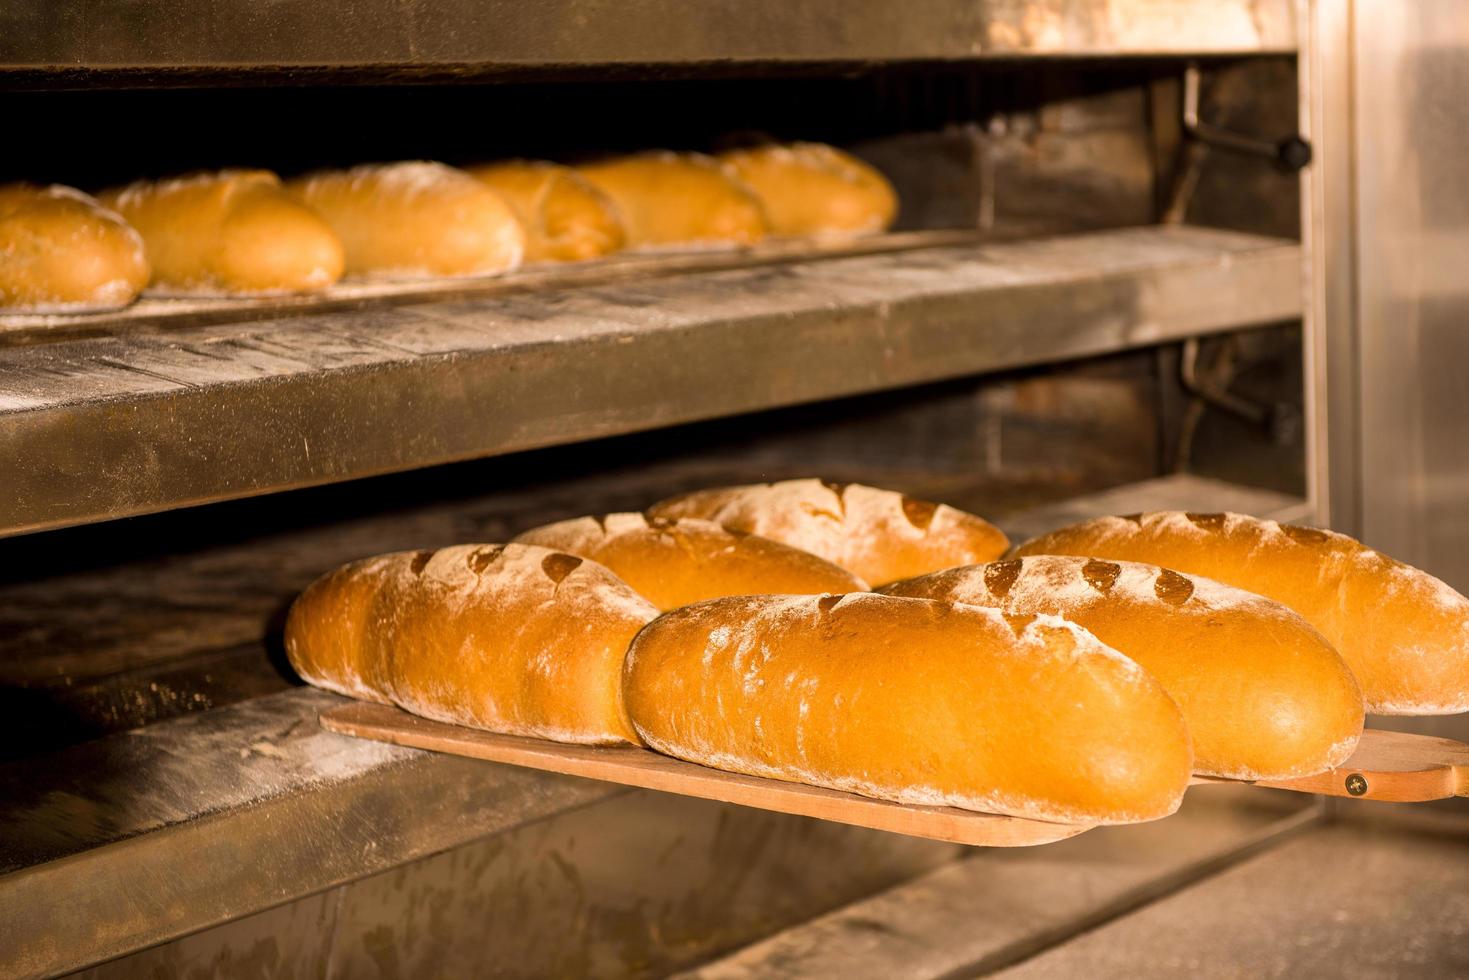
x: 644, y: 769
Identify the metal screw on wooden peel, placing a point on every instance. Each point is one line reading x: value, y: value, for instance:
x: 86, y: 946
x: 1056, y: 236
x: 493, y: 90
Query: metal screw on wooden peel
x: 1356, y: 784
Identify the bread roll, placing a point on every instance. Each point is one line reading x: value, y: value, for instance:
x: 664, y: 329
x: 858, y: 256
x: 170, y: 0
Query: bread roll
x: 509, y: 638
x: 679, y: 200
x: 233, y: 231
x: 565, y: 218
x: 912, y: 701
x: 63, y: 252
x: 815, y: 189
x: 1404, y: 633
x: 1264, y: 695
x: 672, y: 563
x: 879, y: 535
x: 415, y: 220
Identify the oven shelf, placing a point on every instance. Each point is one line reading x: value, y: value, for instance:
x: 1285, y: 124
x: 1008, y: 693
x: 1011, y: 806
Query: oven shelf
x: 169, y: 415
x: 176, y: 43
x: 143, y: 836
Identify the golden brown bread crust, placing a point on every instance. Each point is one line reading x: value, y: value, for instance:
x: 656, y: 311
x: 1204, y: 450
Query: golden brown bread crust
x: 230, y: 231
x: 1404, y: 633
x: 415, y: 220
x: 332, y: 638
x: 912, y: 701
x: 566, y: 218
x: 509, y: 638
x: 880, y: 535
x: 679, y: 200
x: 815, y: 189
x: 1264, y: 695
x: 673, y: 563
x: 63, y: 252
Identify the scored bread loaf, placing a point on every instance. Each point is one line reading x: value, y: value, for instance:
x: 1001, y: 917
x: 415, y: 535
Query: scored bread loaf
x: 415, y: 220
x: 509, y: 638
x: 879, y: 535
x: 64, y: 252
x: 565, y: 218
x: 679, y: 200
x: 229, y: 231
x: 1404, y: 633
x: 1264, y: 695
x: 815, y: 189
x: 673, y: 563
x: 913, y: 701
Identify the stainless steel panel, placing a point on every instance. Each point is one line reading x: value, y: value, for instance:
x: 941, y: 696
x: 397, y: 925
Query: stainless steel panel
x: 1349, y: 900
x: 391, y: 37
x: 288, y: 942
x: 628, y: 888
x: 144, y: 836
x: 103, y: 428
x: 643, y: 884
x: 1411, y: 141
x: 1329, y: 240
x: 975, y: 916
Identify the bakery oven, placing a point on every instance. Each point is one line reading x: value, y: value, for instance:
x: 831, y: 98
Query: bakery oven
x: 1180, y: 255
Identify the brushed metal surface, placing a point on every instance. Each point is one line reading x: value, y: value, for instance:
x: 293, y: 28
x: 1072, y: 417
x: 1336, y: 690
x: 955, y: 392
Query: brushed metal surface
x: 972, y: 917
x: 1411, y: 139
x: 143, y: 836
x: 107, y: 427
x: 628, y: 887
x: 643, y: 884
x: 1328, y: 223
x: 390, y: 37
x: 1345, y: 900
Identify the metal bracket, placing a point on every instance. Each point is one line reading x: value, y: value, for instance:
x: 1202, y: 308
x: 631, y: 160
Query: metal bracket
x: 1291, y: 154
x: 1281, y: 420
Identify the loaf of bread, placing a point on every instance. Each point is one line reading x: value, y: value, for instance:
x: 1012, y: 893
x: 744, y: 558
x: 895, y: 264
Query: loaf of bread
x: 509, y: 638
x: 673, y: 563
x: 879, y: 535
x: 1404, y: 633
x: 232, y: 232
x: 815, y: 189
x: 63, y: 252
x: 912, y: 701
x: 565, y: 218
x: 1264, y: 695
x: 415, y: 220
x: 679, y: 201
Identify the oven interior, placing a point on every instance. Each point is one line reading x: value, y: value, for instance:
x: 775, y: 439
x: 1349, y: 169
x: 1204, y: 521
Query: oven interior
x: 155, y: 731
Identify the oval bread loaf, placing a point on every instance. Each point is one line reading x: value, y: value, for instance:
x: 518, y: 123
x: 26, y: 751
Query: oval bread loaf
x: 674, y: 563
x: 508, y: 638
x: 880, y: 535
x: 815, y: 189
x: 1404, y: 633
x: 415, y: 220
x: 1264, y: 695
x: 679, y: 200
x: 230, y: 231
x: 64, y: 252
x: 913, y: 701
x: 565, y: 218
